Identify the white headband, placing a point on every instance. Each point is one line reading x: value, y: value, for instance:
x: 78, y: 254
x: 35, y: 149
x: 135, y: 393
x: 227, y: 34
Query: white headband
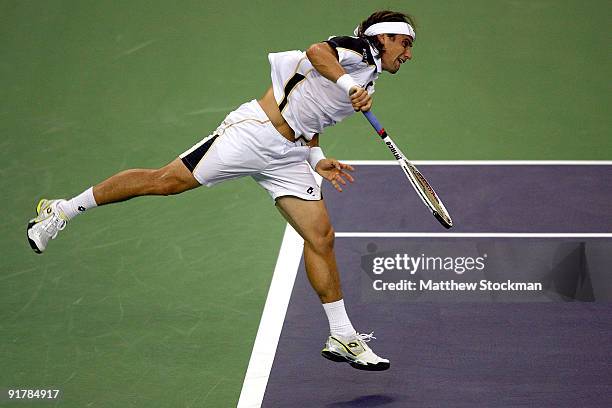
x: 390, y: 27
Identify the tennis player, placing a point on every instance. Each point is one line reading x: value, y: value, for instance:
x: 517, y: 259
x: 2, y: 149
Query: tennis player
x: 275, y: 140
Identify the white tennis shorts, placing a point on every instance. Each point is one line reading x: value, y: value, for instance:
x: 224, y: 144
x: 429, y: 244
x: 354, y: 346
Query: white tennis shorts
x: 247, y: 144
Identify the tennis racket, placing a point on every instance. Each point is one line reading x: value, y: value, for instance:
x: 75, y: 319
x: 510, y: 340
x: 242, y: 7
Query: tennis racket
x: 418, y: 181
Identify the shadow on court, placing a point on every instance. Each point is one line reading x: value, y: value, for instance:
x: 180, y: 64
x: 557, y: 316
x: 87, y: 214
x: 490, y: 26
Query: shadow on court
x: 365, y: 400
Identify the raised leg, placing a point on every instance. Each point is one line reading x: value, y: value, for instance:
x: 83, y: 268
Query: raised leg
x: 173, y: 178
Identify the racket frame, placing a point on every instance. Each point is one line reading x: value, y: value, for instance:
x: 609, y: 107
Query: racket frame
x: 413, y: 174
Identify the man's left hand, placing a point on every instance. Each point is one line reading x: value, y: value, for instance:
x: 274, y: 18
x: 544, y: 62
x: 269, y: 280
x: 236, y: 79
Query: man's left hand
x: 334, y: 172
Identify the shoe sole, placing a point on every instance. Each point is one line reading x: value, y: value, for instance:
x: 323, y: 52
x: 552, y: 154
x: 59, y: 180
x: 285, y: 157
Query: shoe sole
x: 32, y: 243
x: 333, y: 357
x: 371, y: 367
x: 366, y: 367
x: 30, y: 225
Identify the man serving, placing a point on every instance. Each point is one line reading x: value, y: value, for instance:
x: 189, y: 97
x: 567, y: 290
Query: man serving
x: 275, y: 140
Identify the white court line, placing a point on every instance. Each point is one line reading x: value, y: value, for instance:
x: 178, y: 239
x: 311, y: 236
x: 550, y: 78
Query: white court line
x: 483, y: 162
x: 285, y: 272
x: 268, y: 334
x: 472, y: 235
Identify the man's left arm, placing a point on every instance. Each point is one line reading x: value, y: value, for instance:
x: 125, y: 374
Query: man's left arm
x: 330, y: 169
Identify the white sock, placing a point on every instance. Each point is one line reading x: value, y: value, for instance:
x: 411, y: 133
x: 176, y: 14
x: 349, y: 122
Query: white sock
x: 339, y: 323
x: 78, y: 204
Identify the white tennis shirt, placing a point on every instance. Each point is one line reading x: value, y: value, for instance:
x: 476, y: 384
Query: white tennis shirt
x: 308, y: 101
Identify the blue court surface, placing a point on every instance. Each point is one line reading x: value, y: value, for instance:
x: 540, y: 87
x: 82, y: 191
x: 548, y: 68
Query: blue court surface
x: 509, y: 308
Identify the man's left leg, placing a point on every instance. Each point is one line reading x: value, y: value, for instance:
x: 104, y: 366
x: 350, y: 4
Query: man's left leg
x: 311, y: 221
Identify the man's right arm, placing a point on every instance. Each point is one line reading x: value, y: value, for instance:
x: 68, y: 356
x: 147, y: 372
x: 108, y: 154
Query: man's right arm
x: 325, y: 60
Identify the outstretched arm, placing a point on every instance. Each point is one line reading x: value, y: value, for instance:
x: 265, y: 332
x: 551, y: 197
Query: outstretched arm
x: 325, y: 60
x: 330, y: 169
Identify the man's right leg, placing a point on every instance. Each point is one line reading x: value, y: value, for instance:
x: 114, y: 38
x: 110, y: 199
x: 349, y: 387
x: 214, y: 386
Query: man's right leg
x: 202, y: 164
x: 52, y: 215
x: 173, y: 178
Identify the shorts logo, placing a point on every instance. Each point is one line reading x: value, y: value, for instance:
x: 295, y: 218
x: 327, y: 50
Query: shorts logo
x: 81, y: 208
x: 310, y: 190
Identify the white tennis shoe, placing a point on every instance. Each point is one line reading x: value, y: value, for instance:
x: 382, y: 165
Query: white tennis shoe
x: 48, y: 223
x: 355, y: 351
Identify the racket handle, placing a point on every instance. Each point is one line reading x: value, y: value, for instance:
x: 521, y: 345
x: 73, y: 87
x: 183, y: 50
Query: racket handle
x: 375, y: 123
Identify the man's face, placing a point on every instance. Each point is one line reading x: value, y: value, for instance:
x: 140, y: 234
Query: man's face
x: 397, y: 50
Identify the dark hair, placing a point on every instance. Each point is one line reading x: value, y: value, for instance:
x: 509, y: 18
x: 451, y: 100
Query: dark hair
x: 379, y: 17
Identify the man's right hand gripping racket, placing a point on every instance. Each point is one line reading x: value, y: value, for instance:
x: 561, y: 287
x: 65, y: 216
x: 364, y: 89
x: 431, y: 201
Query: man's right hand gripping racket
x: 418, y: 181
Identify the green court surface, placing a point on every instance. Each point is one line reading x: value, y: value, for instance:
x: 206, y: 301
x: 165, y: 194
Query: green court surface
x: 155, y: 302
